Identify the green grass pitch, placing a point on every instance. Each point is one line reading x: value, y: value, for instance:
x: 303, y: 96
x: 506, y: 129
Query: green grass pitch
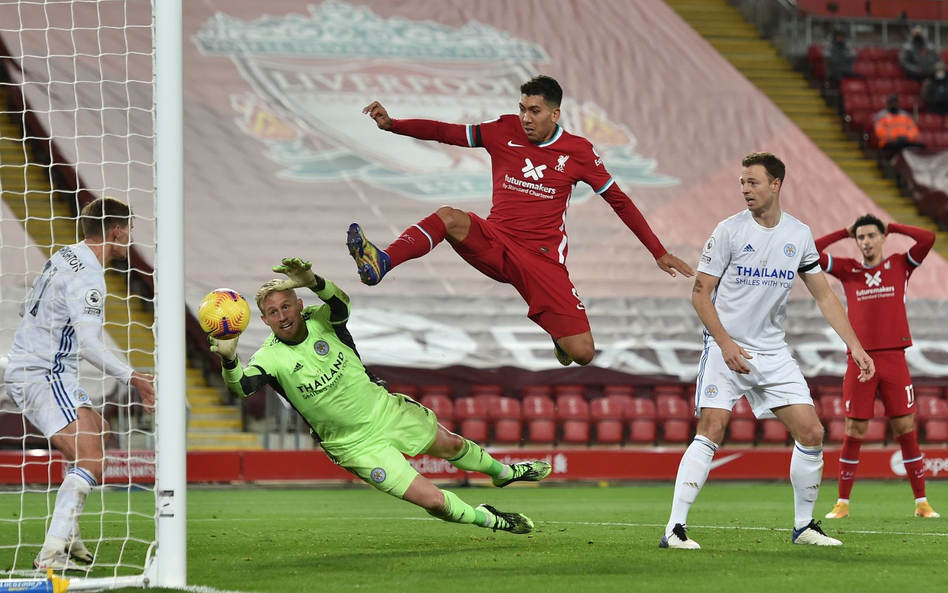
x: 588, y: 538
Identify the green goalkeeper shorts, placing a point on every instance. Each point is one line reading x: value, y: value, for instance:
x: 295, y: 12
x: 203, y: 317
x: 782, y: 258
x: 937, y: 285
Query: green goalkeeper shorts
x: 380, y: 460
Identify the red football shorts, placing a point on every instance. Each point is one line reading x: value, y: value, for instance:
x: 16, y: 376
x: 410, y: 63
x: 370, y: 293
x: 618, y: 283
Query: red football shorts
x: 892, y: 381
x: 540, y: 278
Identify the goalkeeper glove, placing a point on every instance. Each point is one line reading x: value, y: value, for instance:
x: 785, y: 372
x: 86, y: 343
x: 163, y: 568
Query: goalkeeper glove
x: 299, y: 274
x: 226, y: 349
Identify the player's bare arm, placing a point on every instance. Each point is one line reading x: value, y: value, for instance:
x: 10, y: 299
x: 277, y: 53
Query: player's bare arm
x: 145, y: 384
x: 378, y: 113
x: 670, y: 264
x: 834, y: 313
x: 734, y: 355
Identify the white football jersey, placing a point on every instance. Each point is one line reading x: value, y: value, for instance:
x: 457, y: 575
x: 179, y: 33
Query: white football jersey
x: 756, y: 267
x: 62, y: 318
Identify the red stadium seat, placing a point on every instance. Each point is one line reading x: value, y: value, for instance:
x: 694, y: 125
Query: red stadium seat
x: 442, y: 407
x: 929, y: 390
x: 540, y: 416
x: 433, y: 389
x: 889, y: 69
x: 568, y: 389
x: 607, y: 418
x: 507, y: 416
x: 940, y: 139
x: 672, y: 389
x: 572, y: 412
x: 816, y: 61
x: 528, y: 390
x: 878, y: 425
x: 870, y: 53
x: 878, y: 101
x: 675, y: 417
x: 932, y: 413
x: 640, y: 415
x: 610, y: 390
x: 471, y: 416
x: 877, y: 86
x: 853, y: 86
x: 773, y: 432
x: 905, y: 86
x: 405, y: 389
x: 742, y: 427
x: 864, y: 69
x: 861, y: 121
x: 833, y: 416
x: 930, y: 121
x: 856, y: 102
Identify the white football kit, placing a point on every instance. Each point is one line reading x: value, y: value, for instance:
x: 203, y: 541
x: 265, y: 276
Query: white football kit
x: 756, y: 267
x: 62, y: 318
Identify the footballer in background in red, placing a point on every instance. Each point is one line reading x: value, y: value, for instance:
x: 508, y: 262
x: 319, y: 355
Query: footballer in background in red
x: 535, y: 164
x: 875, y: 297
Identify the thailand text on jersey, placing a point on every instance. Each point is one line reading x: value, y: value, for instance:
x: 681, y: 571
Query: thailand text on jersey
x: 756, y: 267
x: 532, y: 183
x: 62, y: 319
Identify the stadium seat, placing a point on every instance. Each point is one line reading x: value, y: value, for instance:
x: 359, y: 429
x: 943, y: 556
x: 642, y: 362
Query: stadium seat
x: 486, y: 389
x: 889, y: 69
x: 870, y: 53
x: 742, y: 427
x: 864, y: 68
x: 507, y: 417
x: 16, y: 432
x: 877, y: 102
x: 569, y: 389
x: 875, y: 433
x: 528, y: 390
x: 861, y: 121
x: 442, y: 407
x: 540, y: 415
x: 619, y: 395
x: 833, y: 416
x: 932, y: 414
x: 931, y: 121
x: 471, y: 417
x: 816, y: 61
x: 928, y: 390
x: 606, y: 415
x: 905, y: 86
x: 880, y: 86
x: 640, y: 415
x: 675, y: 417
x: 572, y: 413
x: 672, y: 389
x: 853, y: 86
x: 436, y: 389
x: 404, y: 388
x: 773, y: 432
x: 856, y: 102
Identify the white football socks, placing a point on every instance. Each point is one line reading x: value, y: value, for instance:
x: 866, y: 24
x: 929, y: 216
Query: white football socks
x: 806, y: 473
x: 70, y: 500
x: 692, y: 473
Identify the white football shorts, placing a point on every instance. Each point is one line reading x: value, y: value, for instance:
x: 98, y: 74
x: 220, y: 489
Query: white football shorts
x: 49, y: 402
x: 774, y: 381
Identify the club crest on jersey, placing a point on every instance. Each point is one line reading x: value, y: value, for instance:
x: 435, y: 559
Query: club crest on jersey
x: 303, y: 64
x: 887, y: 265
x: 561, y: 162
x: 81, y: 396
x: 711, y: 391
x: 789, y: 249
x: 378, y: 475
x: 94, y: 298
x: 873, y: 279
x: 321, y: 347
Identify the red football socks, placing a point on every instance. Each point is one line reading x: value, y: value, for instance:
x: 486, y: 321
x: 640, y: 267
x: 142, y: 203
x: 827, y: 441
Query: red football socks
x: 417, y: 240
x: 848, y: 462
x: 914, y: 462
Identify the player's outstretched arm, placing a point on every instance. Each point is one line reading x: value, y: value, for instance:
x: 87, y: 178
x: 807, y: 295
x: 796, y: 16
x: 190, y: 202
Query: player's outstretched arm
x: 240, y: 382
x: 379, y: 114
x: 834, y: 313
x: 299, y: 275
x: 670, y: 264
x: 924, y: 240
x: 145, y: 384
x: 734, y: 355
x: 826, y: 240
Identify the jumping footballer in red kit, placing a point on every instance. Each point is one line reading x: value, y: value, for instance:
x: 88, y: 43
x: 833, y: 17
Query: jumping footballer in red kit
x: 523, y: 242
x: 875, y: 297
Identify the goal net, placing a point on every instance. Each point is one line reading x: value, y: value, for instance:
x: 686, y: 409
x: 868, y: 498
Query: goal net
x: 77, y: 122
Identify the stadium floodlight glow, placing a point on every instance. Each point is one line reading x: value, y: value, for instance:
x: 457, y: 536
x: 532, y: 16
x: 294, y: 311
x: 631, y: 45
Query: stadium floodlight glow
x: 90, y: 82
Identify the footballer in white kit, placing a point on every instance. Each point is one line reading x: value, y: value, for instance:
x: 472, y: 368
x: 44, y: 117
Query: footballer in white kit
x: 740, y: 294
x: 756, y: 266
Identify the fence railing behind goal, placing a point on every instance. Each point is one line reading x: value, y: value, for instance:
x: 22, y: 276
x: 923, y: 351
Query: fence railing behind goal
x: 79, y: 105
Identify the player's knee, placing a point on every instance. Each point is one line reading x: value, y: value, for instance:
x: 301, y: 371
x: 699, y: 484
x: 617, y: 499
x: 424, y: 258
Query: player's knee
x: 96, y: 467
x: 811, y: 436
x: 434, y: 503
x: 584, y: 355
x: 451, y: 217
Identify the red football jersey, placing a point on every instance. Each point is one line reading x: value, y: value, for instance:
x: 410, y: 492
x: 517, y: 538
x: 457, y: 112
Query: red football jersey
x: 532, y: 183
x: 875, y: 297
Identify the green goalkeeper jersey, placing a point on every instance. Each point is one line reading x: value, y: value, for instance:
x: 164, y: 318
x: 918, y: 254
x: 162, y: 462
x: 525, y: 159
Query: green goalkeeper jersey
x: 322, y: 377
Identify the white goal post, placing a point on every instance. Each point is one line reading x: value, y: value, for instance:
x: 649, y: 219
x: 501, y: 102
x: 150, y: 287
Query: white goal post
x: 91, y: 105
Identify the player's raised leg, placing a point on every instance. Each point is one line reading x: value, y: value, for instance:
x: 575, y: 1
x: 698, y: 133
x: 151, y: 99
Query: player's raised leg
x: 578, y: 348
x: 468, y: 455
x: 447, y: 506
x: 806, y: 472
x: 416, y: 241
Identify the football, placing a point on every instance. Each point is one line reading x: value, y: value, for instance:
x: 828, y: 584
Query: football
x: 224, y: 314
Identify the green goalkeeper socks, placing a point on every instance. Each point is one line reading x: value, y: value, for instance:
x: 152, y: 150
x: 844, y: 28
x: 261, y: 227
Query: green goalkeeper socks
x: 458, y: 511
x: 475, y: 459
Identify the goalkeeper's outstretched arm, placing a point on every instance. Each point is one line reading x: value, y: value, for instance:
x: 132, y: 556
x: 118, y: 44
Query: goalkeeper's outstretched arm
x: 240, y: 381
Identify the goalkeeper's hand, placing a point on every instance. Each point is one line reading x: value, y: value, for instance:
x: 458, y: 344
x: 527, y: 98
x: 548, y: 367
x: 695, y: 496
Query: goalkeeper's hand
x: 226, y: 349
x: 299, y: 274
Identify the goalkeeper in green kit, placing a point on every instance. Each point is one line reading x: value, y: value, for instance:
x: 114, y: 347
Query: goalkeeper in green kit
x: 310, y: 359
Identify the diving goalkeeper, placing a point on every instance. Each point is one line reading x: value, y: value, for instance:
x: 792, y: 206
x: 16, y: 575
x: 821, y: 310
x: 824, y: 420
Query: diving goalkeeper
x: 310, y: 359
